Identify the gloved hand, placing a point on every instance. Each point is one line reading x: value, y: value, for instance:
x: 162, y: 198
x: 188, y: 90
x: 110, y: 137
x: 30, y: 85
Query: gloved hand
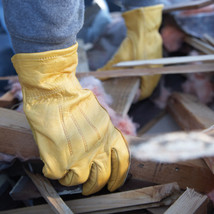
x: 142, y: 41
x: 76, y: 139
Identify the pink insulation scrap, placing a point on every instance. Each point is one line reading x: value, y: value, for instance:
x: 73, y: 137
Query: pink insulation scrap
x: 16, y: 88
x: 123, y: 123
x: 200, y: 84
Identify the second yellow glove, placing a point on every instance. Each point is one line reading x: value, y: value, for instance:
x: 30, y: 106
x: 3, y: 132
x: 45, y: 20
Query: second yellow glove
x: 142, y: 41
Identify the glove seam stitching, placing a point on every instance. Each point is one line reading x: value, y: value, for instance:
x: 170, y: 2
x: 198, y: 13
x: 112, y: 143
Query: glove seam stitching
x: 79, y: 131
x: 64, y: 130
x: 90, y: 123
x: 44, y: 94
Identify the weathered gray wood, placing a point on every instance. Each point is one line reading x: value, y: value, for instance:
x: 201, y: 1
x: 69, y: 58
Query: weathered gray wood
x: 122, y: 91
x: 179, y: 69
x: 111, y: 203
x: 190, y: 202
x: 200, y: 45
x: 137, y: 72
x: 167, y: 61
x: 187, y: 5
x: 190, y: 114
x: 49, y: 194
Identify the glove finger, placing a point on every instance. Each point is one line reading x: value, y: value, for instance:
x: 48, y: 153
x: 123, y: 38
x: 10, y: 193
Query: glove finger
x: 53, y: 169
x: 120, y: 160
x: 75, y: 176
x: 99, y: 176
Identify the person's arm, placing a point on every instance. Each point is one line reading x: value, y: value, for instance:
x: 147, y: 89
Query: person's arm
x: 43, y: 25
x: 75, y: 136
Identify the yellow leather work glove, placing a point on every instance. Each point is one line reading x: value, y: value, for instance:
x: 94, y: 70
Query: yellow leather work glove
x: 142, y: 41
x: 76, y: 139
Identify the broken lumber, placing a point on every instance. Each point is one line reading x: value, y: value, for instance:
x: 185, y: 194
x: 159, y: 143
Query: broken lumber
x: 49, y: 194
x: 114, y: 202
x: 193, y: 173
x: 179, y: 69
x: 190, y: 202
x: 185, y: 173
x: 167, y: 61
x: 15, y: 135
x: 187, y: 5
x: 200, y: 45
x: 209, y: 39
x: 190, y: 114
x: 122, y: 91
x: 137, y: 72
x: 8, y: 100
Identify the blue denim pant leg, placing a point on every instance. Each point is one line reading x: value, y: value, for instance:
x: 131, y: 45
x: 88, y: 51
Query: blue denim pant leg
x: 42, y: 25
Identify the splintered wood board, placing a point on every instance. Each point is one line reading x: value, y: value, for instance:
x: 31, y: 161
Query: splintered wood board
x: 190, y: 202
x: 114, y: 202
x: 137, y: 72
x: 200, y: 45
x: 167, y: 61
x: 49, y: 193
x: 190, y: 114
x: 194, y: 174
x: 122, y: 91
x: 209, y: 39
x: 187, y: 5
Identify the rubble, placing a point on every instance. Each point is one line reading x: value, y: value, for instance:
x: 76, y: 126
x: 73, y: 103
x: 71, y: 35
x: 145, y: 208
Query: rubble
x: 170, y: 172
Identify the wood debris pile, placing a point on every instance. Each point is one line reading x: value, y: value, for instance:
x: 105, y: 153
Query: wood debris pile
x: 171, y: 172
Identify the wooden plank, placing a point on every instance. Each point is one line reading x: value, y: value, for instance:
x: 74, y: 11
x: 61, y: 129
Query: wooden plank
x: 44, y: 209
x: 15, y: 135
x: 200, y: 45
x: 122, y: 91
x: 190, y: 114
x: 137, y: 72
x: 49, y: 194
x: 114, y: 202
x: 150, y: 71
x: 209, y: 38
x: 158, y: 210
x: 187, y: 5
x: 185, y: 173
x: 190, y: 202
x: 167, y: 61
x: 8, y: 100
